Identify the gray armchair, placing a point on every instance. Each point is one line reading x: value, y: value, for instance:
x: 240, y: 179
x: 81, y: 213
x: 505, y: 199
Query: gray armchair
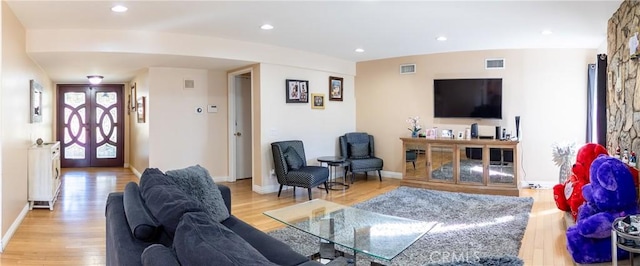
x: 358, y: 149
x: 292, y: 170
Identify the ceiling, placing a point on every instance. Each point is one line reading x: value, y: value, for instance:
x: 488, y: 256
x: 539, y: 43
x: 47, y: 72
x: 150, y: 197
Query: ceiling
x: 334, y: 28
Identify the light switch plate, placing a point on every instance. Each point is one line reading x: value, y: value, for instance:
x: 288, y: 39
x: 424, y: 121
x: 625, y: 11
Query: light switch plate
x: 212, y: 108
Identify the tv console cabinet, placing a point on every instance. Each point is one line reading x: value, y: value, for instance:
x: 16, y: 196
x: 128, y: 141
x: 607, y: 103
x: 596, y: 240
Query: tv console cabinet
x: 484, y: 166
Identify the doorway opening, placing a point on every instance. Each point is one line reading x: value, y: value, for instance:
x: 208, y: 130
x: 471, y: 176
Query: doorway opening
x: 240, y: 125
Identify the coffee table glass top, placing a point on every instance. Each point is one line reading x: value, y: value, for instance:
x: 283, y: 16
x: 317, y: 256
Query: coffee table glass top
x: 378, y: 235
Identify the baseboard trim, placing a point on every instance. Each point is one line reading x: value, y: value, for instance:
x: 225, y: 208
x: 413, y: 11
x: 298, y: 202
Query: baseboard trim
x: 267, y: 189
x: 390, y: 174
x: 14, y: 226
x: 217, y: 179
x: 135, y: 171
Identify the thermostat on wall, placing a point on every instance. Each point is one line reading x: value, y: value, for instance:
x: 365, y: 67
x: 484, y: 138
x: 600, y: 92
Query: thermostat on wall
x: 212, y: 108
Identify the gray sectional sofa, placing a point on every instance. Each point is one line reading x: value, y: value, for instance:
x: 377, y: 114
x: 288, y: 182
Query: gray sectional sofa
x: 183, y: 218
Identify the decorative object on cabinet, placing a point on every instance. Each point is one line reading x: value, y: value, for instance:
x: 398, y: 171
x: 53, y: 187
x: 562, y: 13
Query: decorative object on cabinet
x: 141, y: 109
x: 335, y: 88
x: 318, y: 101
x: 36, y: 101
x: 297, y: 91
x: 414, y: 126
x: 44, y: 175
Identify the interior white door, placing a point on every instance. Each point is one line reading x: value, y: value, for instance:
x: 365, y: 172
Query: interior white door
x: 243, y: 125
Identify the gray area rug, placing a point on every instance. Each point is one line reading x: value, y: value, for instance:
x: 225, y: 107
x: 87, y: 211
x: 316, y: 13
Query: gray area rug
x: 472, y: 229
x: 471, y: 171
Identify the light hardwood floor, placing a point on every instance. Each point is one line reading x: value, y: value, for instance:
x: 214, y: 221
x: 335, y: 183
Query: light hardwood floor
x: 74, y: 232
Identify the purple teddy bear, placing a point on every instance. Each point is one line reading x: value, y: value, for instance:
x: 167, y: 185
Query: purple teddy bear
x: 611, y: 194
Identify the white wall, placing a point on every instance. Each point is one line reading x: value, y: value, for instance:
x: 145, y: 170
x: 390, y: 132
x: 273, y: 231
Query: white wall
x: 545, y: 87
x: 139, y: 132
x: 217, y: 133
x: 177, y: 134
x: 17, y: 134
x: 319, y: 129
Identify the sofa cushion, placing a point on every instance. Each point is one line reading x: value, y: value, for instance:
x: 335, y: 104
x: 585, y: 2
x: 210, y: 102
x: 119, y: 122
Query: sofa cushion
x: 273, y: 249
x: 159, y: 255
x: 202, y: 241
x: 359, y: 150
x: 143, y: 225
x: 293, y: 159
x: 166, y: 202
x: 198, y: 184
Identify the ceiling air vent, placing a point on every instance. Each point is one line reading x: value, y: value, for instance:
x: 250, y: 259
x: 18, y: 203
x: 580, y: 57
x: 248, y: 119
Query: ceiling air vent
x: 408, y: 69
x: 494, y: 63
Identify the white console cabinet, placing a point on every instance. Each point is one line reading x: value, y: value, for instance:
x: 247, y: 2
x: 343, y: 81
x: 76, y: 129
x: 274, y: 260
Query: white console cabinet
x: 44, y: 175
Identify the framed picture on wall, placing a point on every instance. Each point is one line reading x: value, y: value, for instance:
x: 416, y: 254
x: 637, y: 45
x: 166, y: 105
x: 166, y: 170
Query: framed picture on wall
x: 141, y: 109
x: 317, y: 101
x: 335, y: 88
x: 297, y: 91
x: 36, y: 101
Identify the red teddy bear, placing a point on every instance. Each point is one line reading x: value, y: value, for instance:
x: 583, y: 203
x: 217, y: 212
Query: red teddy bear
x: 568, y: 196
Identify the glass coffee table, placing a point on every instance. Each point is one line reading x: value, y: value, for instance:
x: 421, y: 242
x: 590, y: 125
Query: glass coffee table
x: 377, y: 235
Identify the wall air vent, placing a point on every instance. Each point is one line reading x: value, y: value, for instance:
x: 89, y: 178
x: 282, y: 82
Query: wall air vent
x: 408, y: 69
x: 494, y: 63
x: 189, y: 84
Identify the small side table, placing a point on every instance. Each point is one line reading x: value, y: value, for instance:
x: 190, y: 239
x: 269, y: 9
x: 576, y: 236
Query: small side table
x: 332, y: 163
x: 623, y: 240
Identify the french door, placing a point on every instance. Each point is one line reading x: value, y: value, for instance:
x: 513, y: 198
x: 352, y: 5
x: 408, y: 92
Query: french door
x: 90, y: 125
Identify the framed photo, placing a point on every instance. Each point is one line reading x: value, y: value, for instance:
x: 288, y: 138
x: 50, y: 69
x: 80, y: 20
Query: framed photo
x: 141, y: 109
x: 317, y: 101
x: 335, y: 88
x: 36, y: 101
x: 297, y: 91
x: 132, y: 98
x: 431, y: 133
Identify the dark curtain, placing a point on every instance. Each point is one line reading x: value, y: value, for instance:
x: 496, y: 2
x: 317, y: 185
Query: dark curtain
x: 597, y: 101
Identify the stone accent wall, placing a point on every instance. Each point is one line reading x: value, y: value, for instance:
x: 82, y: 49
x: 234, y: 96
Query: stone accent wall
x: 623, y: 90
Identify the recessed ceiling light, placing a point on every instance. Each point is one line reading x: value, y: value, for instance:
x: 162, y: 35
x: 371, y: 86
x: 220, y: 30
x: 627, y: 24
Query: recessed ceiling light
x: 119, y: 8
x: 266, y: 27
x: 546, y: 32
x: 441, y: 38
x: 359, y: 50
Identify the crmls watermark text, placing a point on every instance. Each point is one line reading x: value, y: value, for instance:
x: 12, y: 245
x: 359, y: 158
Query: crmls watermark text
x: 445, y: 256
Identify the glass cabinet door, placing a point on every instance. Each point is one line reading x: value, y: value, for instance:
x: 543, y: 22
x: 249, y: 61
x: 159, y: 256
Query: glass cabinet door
x: 471, y: 164
x: 501, y: 166
x: 415, y: 161
x: 441, y: 163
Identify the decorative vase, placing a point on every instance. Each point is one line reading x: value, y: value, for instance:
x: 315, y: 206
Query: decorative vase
x: 414, y: 134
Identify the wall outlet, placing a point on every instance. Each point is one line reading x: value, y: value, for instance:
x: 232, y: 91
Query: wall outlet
x: 272, y: 172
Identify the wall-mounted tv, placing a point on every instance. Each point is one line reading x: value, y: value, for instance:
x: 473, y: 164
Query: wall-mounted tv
x: 467, y: 98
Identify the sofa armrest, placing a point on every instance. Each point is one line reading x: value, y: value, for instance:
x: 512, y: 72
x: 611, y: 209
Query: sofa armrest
x: 122, y: 248
x: 226, y: 195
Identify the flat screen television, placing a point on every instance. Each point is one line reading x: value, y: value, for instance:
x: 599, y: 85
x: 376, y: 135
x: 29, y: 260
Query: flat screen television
x: 467, y: 98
